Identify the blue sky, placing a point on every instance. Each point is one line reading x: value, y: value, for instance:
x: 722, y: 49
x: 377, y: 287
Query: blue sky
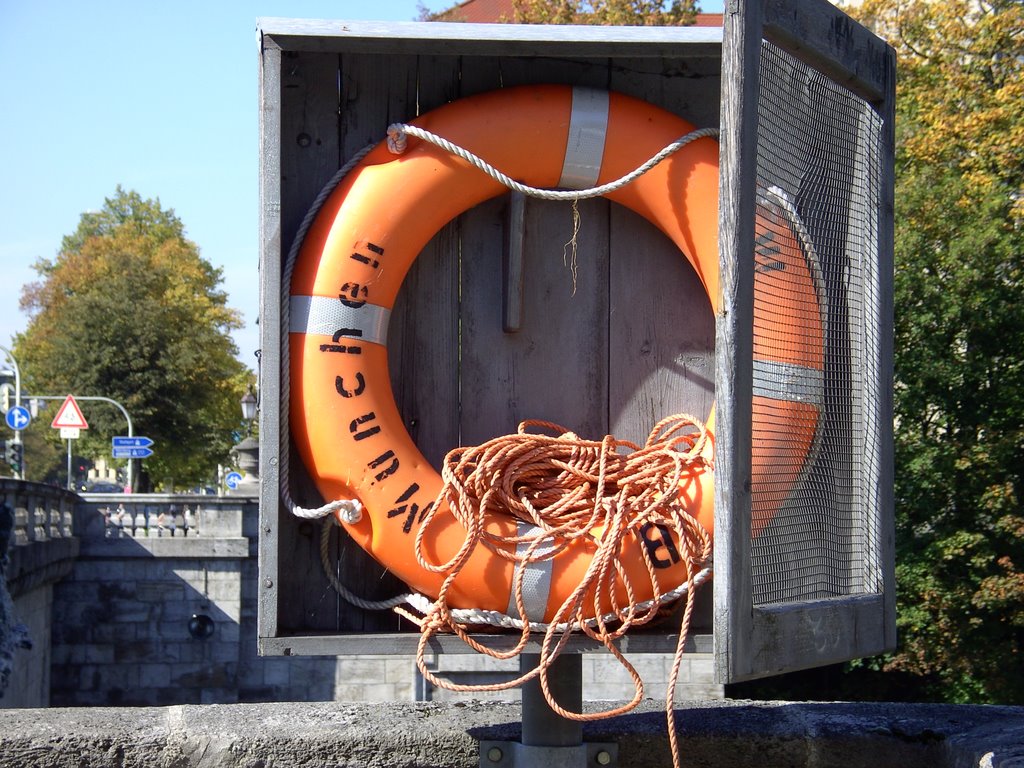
x: 160, y: 98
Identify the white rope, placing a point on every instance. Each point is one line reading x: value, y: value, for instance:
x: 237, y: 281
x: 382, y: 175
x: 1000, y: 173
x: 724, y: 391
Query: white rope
x: 351, y: 509
x: 397, y: 144
x: 470, y: 616
x: 284, y: 484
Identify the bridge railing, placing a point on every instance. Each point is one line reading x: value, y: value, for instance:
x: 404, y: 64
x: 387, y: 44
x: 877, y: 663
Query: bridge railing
x: 41, y: 512
x: 105, y: 517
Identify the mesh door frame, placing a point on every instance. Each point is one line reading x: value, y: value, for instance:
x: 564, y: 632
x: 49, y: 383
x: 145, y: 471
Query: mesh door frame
x: 751, y: 640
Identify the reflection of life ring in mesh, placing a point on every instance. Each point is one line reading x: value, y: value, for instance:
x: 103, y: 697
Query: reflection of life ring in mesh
x: 788, y: 354
x: 344, y: 419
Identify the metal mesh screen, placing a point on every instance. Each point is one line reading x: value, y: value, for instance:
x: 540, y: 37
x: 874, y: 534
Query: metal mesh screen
x: 815, y: 425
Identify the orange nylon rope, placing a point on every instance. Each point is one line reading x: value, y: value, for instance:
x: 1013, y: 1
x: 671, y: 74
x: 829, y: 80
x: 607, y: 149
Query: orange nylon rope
x: 568, y: 486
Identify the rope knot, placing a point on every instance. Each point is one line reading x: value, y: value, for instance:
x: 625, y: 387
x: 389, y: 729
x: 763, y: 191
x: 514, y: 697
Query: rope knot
x: 397, y: 139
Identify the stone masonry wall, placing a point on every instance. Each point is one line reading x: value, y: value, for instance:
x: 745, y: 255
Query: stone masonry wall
x: 29, y: 683
x: 121, y: 620
x: 121, y: 627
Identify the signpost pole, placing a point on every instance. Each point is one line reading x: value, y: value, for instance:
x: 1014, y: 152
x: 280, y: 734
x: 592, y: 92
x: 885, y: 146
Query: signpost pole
x: 114, y: 403
x: 20, y: 473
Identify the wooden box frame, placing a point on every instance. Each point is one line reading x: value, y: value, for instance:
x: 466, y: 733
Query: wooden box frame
x: 327, y: 88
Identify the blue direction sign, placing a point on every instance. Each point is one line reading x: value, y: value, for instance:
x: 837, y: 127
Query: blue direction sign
x: 233, y: 479
x: 131, y: 442
x: 131, y: 453
x: 18, y: 417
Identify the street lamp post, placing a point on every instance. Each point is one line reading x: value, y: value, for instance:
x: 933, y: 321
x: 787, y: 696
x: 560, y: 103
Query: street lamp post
x: 249, y: 408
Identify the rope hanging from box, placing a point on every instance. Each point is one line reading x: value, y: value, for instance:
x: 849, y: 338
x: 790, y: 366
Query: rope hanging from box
x: 551, y: 478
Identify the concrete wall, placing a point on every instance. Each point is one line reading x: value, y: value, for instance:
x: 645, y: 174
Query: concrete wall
x: 434, y: 735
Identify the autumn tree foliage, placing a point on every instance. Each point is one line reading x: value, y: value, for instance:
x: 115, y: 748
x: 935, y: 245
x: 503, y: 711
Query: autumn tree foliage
x: 605, y: 12
x: 129, y: 310
x: 959, y: 344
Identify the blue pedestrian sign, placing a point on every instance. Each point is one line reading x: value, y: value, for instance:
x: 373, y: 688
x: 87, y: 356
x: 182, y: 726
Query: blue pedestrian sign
x: 233, y: 479
x: 131, y: 453
x: 131, y: 442
x: 18, y: 417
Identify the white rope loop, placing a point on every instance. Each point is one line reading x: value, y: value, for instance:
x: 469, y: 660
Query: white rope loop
x: 397, y: 144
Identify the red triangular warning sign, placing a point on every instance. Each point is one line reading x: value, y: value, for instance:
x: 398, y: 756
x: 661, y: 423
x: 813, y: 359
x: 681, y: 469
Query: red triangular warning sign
x: 69, y: 415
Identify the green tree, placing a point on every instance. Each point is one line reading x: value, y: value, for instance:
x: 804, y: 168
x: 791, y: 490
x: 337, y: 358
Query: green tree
x: 959, y: 344
x: 130, y: 310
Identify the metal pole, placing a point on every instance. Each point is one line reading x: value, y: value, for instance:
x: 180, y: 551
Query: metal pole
x: 542, y: 726
x: 20, y: 474
x: 104, y: 400
x: 69, y: 465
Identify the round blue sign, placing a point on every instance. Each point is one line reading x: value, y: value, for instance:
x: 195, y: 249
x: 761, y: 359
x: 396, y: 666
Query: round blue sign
x: 18, y: 417
x: 233, y: 479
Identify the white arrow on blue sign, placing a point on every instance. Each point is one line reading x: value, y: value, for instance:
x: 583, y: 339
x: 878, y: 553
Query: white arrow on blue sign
x: 130, y: 442
x: 18, y: 417
x: 233, y: 479
x: 131, y: 453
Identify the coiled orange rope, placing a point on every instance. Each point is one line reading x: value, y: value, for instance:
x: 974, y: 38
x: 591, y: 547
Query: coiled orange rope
x: 569, y: 488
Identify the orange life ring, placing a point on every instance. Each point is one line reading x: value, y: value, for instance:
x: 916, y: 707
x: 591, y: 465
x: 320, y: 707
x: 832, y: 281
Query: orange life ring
x: 344, y: 420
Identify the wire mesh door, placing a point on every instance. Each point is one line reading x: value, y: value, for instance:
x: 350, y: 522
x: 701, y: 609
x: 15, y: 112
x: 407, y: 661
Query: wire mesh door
x: 807, y: 487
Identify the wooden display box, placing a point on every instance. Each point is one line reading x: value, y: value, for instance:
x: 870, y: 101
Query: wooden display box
x: 625, y: 339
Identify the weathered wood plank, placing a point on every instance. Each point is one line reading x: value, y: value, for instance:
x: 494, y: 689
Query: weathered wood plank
x: 824, y: 37
x: 734, y: 342
x: 270, y: 315
x: 391, y: 643
x: 438, y: 38
x: 884, y: 334
x: 423, y: 342
x: 688, y: 87
x: 662, y: 331
x: 309, y: 157
x: 802, y: 635
x: 554, y: 367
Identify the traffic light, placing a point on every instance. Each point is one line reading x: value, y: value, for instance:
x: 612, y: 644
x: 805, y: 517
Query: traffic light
x: 13, y: 455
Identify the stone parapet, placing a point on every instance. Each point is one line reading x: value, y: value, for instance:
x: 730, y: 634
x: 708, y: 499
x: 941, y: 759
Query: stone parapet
x: 433, y: 735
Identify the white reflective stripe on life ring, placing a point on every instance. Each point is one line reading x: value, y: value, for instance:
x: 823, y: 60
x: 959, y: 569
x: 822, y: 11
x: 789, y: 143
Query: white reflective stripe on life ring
x: 329, y: 316
x: 536, y: 575
x: 785, y: 381
x: 584, y: 150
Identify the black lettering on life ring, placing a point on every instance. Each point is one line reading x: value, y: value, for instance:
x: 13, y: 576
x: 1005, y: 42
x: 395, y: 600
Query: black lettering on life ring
x: 369, y: 260
x: 369, y: 431
x: 664, y: 540
x: 402, y: 507
x: 339, y: 384
x: 766, y: 252
x: 353, y: 295
x: 389, y: 470
x: 342, y: 348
